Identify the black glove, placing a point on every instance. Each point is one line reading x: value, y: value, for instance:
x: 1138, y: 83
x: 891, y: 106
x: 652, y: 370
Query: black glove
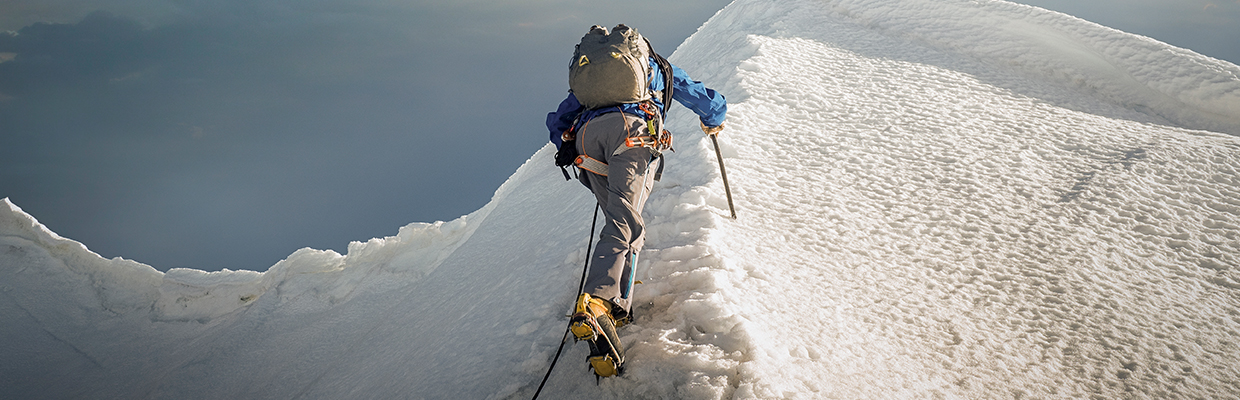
x: 567, y: 155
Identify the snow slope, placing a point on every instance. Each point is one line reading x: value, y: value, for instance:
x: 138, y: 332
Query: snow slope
x: 937, y: 199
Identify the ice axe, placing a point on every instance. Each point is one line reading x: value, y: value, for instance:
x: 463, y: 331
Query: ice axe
x: 713, y: 132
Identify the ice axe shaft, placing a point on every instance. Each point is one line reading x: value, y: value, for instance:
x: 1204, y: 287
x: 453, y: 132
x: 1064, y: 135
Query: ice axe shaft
x: 724, y: 172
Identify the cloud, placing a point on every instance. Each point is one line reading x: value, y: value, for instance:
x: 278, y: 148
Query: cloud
x: 16, y: 14
x: 99, y: 48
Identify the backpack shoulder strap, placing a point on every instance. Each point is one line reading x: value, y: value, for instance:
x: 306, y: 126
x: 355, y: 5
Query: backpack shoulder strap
x: 665, y: 68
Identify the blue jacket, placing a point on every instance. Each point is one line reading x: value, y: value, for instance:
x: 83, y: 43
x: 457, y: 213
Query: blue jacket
x: 710, y: 106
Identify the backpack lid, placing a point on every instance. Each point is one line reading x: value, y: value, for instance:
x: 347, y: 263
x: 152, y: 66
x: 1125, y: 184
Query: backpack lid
x: 610, y: 68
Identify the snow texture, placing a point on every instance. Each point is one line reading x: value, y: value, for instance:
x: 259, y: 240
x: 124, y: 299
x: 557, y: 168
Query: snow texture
x: 937, y: 199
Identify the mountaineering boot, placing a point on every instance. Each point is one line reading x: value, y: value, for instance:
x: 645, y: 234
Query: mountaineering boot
x: 585, y: 315
x: 606, y: 351
x: 592, y: 322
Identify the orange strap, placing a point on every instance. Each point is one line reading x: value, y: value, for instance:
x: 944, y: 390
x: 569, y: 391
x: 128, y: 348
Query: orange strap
x: 591, y: 164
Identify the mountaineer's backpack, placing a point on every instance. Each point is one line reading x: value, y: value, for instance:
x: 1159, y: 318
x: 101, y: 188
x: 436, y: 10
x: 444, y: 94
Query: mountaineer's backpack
x: 610, y: 69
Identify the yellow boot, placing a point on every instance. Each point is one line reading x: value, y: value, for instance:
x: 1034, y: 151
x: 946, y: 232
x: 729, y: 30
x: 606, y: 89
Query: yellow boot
x: 588, y: 310
x: 592, y: 321
x: 604, y: 366
x: 606, y: 351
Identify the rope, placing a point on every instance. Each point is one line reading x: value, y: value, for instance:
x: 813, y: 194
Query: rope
x: 580, y: 288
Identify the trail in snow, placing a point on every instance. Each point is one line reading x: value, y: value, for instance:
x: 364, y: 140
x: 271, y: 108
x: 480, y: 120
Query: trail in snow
x: 970, y: 199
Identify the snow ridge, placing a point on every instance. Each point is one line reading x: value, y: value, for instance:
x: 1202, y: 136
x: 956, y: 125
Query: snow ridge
x: 937, y: 199
x: 921, y: 224
x: 1170, y: 83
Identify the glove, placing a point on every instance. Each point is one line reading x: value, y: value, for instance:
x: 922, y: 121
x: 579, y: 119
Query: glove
x: 712, y: 131
x: 567, y: 153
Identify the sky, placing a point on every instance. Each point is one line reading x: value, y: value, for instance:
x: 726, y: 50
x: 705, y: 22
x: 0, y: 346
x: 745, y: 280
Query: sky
x: 1209, y: 27
x: 228, y: 134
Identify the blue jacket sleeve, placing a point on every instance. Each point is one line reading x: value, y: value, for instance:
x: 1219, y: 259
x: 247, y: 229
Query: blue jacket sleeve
x: 708, y: 104
x: 562, y: 119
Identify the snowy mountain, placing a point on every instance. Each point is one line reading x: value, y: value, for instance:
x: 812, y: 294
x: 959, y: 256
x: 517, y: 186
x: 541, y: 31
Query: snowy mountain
x: 937, y: 199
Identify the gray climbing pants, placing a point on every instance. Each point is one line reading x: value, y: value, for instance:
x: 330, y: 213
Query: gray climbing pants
x: 622, y: 194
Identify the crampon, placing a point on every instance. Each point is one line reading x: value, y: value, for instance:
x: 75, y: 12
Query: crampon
x: 592, y: 322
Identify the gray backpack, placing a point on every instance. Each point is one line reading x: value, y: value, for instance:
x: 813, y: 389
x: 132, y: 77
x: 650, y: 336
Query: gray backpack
x: 610, y: 69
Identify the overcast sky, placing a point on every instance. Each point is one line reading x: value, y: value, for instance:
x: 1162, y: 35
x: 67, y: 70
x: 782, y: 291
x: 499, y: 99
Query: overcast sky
x: 229, y: 133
